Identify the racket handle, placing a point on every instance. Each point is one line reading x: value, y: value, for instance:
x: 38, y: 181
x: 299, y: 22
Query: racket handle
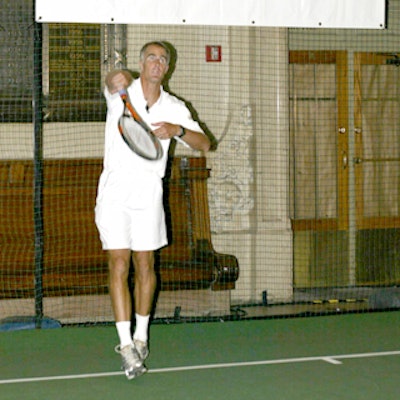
x: 122, y: 92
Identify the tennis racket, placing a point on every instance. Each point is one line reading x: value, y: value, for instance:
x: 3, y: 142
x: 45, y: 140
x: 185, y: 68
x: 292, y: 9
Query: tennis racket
x: 136, y: 133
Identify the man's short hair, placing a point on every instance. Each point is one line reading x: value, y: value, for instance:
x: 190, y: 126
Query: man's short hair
x: 159, y: 44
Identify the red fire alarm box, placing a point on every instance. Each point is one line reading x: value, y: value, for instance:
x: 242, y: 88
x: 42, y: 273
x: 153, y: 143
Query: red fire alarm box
x: 213, y: 53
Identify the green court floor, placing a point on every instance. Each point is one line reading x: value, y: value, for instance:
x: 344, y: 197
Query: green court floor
x: 348, y: 357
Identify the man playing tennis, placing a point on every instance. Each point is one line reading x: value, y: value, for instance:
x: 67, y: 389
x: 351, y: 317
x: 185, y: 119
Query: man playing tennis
x: 129, y: 210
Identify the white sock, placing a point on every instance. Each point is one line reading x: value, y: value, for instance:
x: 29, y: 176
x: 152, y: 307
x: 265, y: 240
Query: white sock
x: 124, y: 332
x: 142, y: 327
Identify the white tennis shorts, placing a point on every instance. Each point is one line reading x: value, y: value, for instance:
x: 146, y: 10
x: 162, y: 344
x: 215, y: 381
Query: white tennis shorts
x: 129, y: 212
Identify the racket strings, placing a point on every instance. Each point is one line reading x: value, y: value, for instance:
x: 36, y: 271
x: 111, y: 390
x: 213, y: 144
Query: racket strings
x: 136, y: 134
x: 138, y: 139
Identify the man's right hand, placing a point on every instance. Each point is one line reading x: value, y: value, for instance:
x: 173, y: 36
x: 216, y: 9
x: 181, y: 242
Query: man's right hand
x: 117, y: 80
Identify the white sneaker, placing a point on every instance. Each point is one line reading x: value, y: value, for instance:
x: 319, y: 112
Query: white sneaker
x: 131, y: 361
x: 141, y: 348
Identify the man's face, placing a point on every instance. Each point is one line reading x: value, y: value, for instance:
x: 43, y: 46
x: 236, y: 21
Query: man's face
x: 154, y: 65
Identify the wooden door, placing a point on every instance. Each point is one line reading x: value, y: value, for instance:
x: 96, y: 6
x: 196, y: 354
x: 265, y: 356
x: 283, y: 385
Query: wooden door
x: 377, y: 167
x: 319, y: 166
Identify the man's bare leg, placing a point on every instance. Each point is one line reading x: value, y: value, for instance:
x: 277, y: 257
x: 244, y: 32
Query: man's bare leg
x: 119, y: 263
x: 145, y: 285
x: 145, y: 281
x: 118, y: 266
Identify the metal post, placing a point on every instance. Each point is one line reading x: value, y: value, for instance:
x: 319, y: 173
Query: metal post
x: 37, y: 102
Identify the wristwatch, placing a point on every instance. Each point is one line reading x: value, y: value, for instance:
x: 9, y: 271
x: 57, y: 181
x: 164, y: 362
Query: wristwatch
x: 182, y: 132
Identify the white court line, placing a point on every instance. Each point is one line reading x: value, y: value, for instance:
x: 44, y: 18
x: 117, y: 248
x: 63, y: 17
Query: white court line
x: 332, y: 361
x: 329, y: 359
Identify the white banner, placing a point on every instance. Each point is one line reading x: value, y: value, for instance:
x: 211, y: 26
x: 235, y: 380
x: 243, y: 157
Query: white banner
x: 361, y: 14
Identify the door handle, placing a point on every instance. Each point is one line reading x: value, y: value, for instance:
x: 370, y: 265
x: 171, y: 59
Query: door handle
x: 344, y: 159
